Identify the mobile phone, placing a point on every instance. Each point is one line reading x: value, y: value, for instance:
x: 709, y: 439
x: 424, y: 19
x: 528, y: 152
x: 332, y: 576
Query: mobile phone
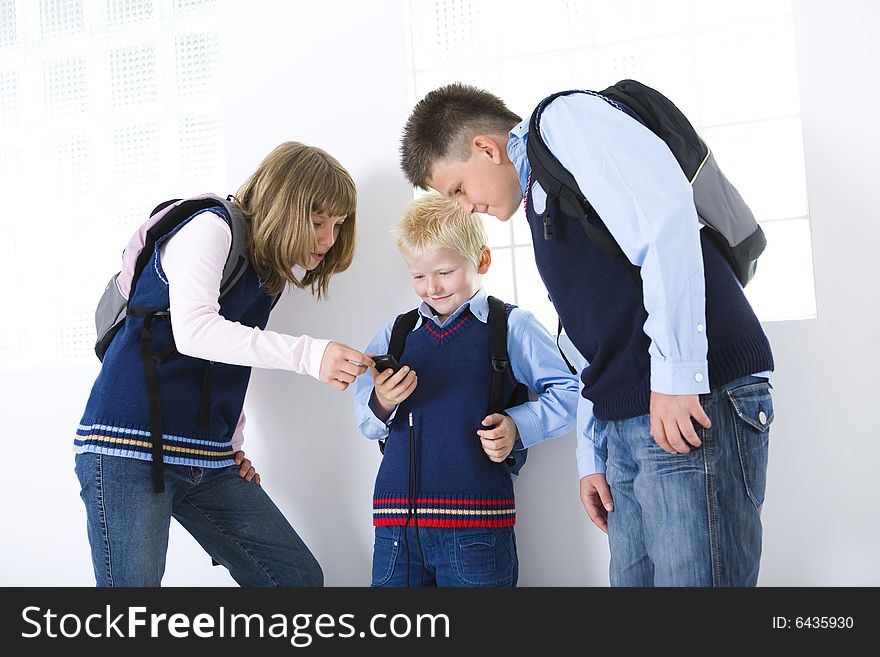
x: 386, y: 361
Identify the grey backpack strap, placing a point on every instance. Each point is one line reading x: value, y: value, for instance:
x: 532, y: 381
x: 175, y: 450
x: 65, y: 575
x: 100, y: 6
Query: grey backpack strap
x: 237, y: 261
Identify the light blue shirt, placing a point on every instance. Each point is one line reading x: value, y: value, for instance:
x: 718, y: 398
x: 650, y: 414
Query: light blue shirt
x: 535, y: 362
x: 655, y: 224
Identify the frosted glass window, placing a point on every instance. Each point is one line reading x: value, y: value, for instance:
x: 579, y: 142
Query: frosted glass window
x: 452, y: 31
x: 197, y: 58
x: 77, y: 328
x: 499, y: 280
x: 776, y: 187
x: 747, y: 72
x: 665, y: 63
x: 65, y: 85
x: 498, y: 232
x: 8, y: 34
x: 122, y: 12
x: 628, y: 20
x: 190, y: 6
x: 107, y: 108
x: 136, y: 154
x: 61, y: 17
x: 9, y: 97
x: 133, y: 74
x: 199, y: 148
x: 730, y: 67
x: 72, y: 156
x: 778, y: 290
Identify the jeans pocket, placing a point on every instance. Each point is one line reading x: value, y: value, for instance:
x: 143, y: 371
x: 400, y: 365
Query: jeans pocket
x: 477, y: 553
x: 752, y: 407
x: 484, y: 556
x: 385, y: 550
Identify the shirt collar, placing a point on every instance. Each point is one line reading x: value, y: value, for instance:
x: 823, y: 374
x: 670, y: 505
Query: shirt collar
x: 479, y: 305
x: 516, y: 151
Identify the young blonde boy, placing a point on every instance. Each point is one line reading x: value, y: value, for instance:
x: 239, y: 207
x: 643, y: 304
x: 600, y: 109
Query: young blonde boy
x: 443, y: 503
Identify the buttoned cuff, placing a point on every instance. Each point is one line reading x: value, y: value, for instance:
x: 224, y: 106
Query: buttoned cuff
x: 679, y: 378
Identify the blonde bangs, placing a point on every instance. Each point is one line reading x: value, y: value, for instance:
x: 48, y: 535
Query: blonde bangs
x: 433, y: 221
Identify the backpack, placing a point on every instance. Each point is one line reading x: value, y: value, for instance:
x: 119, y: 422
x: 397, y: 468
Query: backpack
x: 497, y: 322
x: 720, y: 208
x: 113, y: 305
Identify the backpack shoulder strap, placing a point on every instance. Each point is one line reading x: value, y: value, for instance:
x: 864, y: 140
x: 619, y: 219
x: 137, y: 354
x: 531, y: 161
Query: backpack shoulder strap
x: 561, y: 186
x: 403, y: 326
x: 237, y: 260
x: 498, y: 352
x: 164, y: 226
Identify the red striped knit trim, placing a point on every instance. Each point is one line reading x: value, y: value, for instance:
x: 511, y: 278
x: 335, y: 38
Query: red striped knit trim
x: 461, y: 322
x: 440, y: 522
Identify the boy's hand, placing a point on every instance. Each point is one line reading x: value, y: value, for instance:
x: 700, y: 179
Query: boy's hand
x: 246, y: 470
x: 498, y: 441
x: 391, y: 388
x: 341, y: 365
x: 671, y: 424
x: 597, y: 500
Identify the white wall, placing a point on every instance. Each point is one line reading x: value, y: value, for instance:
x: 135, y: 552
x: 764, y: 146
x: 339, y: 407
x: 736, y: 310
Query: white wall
x: 334, y: 74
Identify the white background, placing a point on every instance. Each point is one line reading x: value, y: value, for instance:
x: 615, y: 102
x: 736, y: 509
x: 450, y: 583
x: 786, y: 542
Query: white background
x: 334, y: 74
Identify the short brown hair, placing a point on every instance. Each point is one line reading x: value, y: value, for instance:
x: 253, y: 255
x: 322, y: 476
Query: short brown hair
x: 443, y: 123
x: 278, y: 200
x: 433, y: 221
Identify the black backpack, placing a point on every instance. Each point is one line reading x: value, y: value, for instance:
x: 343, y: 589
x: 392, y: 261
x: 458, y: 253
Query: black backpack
x: 720, y: 207
x: 497, y: 321
x: 165, y: 217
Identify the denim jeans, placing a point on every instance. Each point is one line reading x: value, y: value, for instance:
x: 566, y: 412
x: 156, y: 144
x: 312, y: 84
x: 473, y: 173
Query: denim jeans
x: 691, y: 519
x: 453, y: 557
x: 234, y: 521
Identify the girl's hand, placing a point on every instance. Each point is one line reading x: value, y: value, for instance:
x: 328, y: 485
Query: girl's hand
x: 341, y: 365
x: 246, y: 469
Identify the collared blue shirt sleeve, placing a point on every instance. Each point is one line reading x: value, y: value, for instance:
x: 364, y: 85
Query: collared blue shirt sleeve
x: 535, y: 362
x: 591, y: 451
x: 370, y: 425
x: 633, y: 181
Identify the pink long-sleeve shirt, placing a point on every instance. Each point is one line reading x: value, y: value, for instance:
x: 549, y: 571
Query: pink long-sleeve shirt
x: 193, y: 261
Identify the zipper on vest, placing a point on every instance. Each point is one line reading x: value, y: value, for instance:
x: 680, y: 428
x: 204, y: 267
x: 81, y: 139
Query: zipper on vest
x: 548, y: 226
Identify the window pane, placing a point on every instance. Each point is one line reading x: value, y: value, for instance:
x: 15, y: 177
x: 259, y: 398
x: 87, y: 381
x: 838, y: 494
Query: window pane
x: 498, y: 281
x: 522, y: 234
x: 498, y: 232
x: 530, y: 291
x: 783, y: 283
x: 746, y: 72
x: 730, y: 67
x: 774, y: 187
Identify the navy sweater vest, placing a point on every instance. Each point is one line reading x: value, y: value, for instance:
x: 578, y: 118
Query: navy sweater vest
x: 456, y: 485
x: 603, y: 313
x: 117, y: 416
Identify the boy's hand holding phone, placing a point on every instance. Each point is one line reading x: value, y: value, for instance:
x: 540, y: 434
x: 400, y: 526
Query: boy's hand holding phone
x: 392, y: 384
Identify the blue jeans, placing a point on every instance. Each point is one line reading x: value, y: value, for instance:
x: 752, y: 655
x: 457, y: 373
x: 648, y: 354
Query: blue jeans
x: 691, y: 519
x: 233, y: 519
x: 453, y: 557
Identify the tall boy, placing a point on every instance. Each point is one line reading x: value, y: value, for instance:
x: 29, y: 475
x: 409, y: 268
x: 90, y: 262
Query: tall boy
x: 443, y: 504
x: 663, y: 357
